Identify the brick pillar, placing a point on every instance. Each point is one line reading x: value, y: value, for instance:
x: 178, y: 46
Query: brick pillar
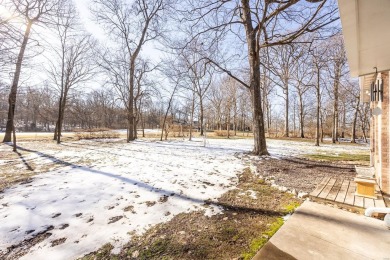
x: 385, y: 136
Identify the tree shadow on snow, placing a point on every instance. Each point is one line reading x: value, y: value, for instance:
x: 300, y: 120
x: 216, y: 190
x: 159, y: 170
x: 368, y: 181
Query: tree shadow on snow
x: 166, y: 192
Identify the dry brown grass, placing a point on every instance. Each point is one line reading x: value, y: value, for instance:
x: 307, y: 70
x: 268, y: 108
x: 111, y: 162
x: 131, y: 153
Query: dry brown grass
x: 96, y: 133
x: 245, y: 225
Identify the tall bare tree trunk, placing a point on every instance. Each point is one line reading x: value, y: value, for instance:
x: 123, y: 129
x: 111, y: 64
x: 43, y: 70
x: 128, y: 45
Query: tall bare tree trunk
x: 142, y: 124
x: 14, y: 88
x: 61, y: 120
x: 131, y: 117
x: 335, y: 121
x: 268, y: 116
x: 318, y: 108
x: 301, y: 117
x: 166, y: 115
x: 294, y: 119
x: 192, y: 116
x: 228, y: 123
x: 260, y: 146
x: 353, y: 134
x: 201, y: 114
x: 344, y: 121
x: 286, y: 128
x: 235, y: 118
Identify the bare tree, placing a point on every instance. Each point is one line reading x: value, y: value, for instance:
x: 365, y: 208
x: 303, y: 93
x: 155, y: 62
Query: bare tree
x: 284, y: 62
x: 72, y: 65
x: 355, y: 93
x: 200, y: 74
x: 134, y: 25
x: 336, y: 70
x: 32, y: 12
x: 319, y: 62
x: 302, y: 76
x: 364, y: 116
x: 266, y: 24
x: 10, y: 38
x: 144, y: 88
x: 216, y: 104
x: 164, y: 126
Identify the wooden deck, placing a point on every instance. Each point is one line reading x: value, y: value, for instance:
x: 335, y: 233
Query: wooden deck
x: 342, y: 193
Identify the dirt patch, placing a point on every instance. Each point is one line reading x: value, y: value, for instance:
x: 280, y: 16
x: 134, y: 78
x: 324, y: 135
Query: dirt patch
x: 301, y: 174
x: 163, y: 199
x: 19, y: 250
x: 129, y: 208
x: 58, y: 242
x: 63, y: 226
x: 114, y: 219
x: 150, y: 203
x: 245, y: 224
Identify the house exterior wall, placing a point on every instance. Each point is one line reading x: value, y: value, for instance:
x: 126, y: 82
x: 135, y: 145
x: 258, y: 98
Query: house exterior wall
x: 380, y: 136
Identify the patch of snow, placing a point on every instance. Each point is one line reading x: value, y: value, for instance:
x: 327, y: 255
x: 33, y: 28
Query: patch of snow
x: 155, y: 180
x: 285, y: 218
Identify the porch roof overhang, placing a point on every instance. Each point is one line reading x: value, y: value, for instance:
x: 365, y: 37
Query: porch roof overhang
x: 366, y: 31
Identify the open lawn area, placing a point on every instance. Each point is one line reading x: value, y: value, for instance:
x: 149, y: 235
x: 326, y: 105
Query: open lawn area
x: 150, y: 199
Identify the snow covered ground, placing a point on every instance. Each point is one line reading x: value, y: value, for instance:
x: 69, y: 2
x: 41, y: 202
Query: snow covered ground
x: 107, y: 190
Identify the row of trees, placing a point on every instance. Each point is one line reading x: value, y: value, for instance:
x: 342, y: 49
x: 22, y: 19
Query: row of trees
x: 226, y: 106
x: 232, y: 65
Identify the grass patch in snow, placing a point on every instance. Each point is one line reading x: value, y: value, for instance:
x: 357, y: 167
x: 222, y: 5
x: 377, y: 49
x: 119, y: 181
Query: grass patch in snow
x: 345, y: 157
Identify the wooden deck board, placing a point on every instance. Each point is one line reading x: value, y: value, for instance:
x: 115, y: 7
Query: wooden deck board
x: 342, y: 192
x: 359, y: 202
x: 350, y: 197
x: 369, y: 203
x: 320, y: 187
x: 335, y: 190
x: 379, y: 202
x: 324, y: 193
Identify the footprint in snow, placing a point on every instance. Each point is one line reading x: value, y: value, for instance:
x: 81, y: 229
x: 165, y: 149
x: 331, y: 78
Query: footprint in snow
x: 29, y: 231
x: 55, y: 215
x: 163, y: 199
x: 63, y: 226
x: 15, y: 229
x: 150, y: 203
x: 58, y: 241
x: 114, y: 219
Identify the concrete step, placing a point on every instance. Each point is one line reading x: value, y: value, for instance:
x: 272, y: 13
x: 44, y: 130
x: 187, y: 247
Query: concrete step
x: 317, y: 231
